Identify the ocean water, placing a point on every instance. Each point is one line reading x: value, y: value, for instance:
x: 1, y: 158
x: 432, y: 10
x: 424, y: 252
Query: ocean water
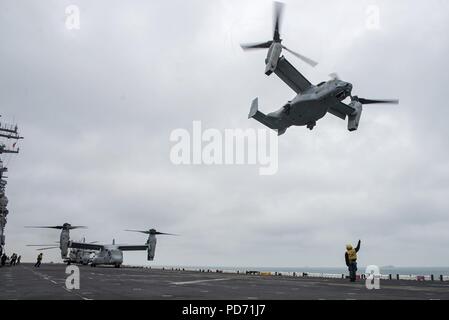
x: 416, y: 271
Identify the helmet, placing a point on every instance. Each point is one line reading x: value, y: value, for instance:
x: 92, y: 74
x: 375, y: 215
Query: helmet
x: 348, y: 247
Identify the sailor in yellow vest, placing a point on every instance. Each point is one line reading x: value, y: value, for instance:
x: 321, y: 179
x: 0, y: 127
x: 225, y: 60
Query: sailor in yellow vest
x: 39, y: 260
x: 351, y: 260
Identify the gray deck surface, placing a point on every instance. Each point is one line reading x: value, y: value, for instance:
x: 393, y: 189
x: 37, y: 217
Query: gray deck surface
x: 48, y: 282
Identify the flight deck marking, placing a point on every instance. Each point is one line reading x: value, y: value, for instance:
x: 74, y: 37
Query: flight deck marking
x: 200, y: 281
x: 41, y: 275
x: 73, y: 292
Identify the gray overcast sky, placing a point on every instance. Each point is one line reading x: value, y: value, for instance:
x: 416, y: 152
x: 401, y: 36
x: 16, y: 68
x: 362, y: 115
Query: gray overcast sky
x: 97, y: 107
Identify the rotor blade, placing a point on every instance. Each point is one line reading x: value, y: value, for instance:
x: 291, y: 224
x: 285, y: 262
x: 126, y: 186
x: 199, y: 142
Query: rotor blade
x: 369, y: 101
x: 163, y: 233
x: 40, y: 245
x: 277, y: 20
x: 153, y: 232
x: 57, y: 227
x: 46, y: 227
x: 303, y: 58
x: 41, y: 249
x: 141, y: 231
x: 258, y: 45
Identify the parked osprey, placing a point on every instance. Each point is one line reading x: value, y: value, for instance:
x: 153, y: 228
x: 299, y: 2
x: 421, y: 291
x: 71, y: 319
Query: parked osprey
x: 105, y: 254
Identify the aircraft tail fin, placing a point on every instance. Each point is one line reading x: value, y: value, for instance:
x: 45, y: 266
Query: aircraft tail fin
x: 254, y: 108
x: 262, y: 118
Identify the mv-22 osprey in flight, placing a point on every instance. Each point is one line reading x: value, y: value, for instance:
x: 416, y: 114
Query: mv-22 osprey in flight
x: 312, y: 102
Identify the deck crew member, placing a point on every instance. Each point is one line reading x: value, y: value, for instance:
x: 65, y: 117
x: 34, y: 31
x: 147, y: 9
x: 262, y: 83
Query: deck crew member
x: 351, y: 260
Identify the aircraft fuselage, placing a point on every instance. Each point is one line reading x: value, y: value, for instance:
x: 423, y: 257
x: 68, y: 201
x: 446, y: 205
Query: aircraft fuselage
x: 313, y: 104
x: 108, y: 256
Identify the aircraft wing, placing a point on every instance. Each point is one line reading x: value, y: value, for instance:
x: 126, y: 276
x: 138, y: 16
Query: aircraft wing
x: 133, y: 248
x: 86, y: 246
x: 341, y: 110
x: 292, y: 77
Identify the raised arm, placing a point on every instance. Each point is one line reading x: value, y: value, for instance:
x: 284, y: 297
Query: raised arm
x: 358, y: 247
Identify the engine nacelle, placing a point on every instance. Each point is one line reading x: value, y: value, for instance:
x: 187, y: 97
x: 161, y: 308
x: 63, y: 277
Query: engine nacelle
x: 354, y: 119
x: 151, y: 247
x: 272, y: 58
x: 64, y: 243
